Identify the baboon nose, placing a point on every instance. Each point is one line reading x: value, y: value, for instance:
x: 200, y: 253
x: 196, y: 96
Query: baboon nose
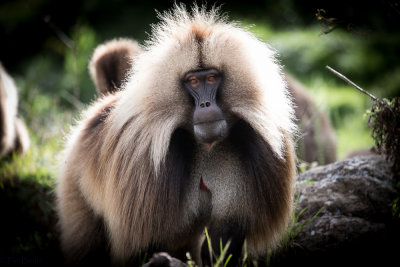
x: 205, y: 104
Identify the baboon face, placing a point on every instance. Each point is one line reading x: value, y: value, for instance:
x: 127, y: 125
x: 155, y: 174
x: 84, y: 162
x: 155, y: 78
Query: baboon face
x: 209, y: 122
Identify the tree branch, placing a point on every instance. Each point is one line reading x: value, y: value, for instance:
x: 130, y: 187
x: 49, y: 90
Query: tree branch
x: 374, y: 98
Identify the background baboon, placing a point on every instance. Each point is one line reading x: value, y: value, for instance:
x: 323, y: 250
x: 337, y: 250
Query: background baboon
x: 110, y: 62
x: 13, y: 134
x: 317, y: 139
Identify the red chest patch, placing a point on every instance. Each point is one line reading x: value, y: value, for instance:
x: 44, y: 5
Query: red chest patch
x: 203, y: 185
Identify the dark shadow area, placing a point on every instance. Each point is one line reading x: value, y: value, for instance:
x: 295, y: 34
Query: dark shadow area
x: 28, y: 224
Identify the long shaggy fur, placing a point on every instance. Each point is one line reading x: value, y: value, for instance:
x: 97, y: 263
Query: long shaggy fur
x: 132, y: 166
x: 13, y: 134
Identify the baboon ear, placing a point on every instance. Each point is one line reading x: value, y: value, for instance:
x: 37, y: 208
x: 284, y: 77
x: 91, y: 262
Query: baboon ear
x: 111, y: 62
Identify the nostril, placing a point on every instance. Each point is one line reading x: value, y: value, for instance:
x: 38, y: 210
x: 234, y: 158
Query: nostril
x: 208, y: 104
x: 202, y: 105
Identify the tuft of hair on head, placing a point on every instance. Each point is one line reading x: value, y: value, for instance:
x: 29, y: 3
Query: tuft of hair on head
x: 111, y: 63
x: 173, y: 21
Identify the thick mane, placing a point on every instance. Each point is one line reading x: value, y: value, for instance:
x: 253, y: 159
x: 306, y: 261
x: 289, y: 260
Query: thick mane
x: 265, y: 174
x: 125, y: 179
x: 178, y: 23
x: 150, y: 200
x: 174, y: 49
x: 134, y: 147
x: 153, y: 105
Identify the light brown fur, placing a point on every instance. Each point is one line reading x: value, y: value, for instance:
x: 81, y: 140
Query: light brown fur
x: 122, y: 160
x: 13, y: 134
x: 111, y: 60
x: 317, y: 141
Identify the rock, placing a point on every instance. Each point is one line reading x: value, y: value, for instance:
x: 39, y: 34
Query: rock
x: 344, y: 214
x: 163, y: 259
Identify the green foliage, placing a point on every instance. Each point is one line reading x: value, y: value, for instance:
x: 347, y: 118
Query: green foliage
x: 26, y: 201
x: 27, y: 181
x: 50, y: 96
x: 66, y: 82
x: 297, y: 224
x: 46, y: 122
x: 345, y: 108
x: 220, y: 259
x: 217, y: 260
x: 76, y: 63
x: 35, y: 166
x: 304, y: 52
x: 303, y: 166
x: 384, y: 119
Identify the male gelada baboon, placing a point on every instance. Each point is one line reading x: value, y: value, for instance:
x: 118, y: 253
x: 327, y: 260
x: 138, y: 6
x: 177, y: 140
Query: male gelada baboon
x: 13, y: 134
x: 199, y: 135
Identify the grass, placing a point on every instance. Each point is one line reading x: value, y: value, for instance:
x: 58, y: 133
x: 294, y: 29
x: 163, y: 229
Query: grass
x: 297, y: 224
x: 47, y: 125
x: 221, y: 259
x: 27, y: 185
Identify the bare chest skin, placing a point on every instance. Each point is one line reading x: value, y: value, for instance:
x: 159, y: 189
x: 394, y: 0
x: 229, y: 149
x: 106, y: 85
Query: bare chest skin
x: 217, y: 184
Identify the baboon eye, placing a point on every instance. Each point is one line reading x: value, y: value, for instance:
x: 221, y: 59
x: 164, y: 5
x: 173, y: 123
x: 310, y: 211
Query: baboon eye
x: 194, y: 81
x: 211, y: 79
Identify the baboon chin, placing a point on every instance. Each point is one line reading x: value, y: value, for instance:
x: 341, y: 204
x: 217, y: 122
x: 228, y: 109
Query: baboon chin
x: 195, y: 132
x: 13, y: 134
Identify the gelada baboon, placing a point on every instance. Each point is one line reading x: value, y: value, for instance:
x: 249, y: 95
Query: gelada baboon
x: 199, y: 135
x: 317, y: 138
x: 13, y: 134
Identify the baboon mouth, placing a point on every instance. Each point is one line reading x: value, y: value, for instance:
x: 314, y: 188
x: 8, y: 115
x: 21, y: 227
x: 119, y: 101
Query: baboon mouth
x: 210, y: 121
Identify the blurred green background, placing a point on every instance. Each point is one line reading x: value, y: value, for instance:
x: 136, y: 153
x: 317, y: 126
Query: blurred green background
x: 45, y: 45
